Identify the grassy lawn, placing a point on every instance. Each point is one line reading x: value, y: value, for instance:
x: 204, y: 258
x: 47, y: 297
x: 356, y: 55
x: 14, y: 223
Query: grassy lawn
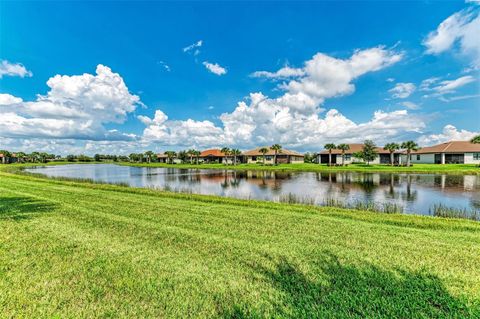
x: 71, y: 250
x: 416, y: 168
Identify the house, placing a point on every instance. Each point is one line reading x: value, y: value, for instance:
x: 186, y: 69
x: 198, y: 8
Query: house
x: 283, y: 156
x: 453, y: 152
x: 382, y: 158
x: 8, y: 159
x: 162, y: 158
x: 212, y: 156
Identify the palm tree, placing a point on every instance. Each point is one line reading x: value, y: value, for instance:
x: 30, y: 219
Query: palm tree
x: 410, y: 146
x: 225, y: 151
x: 330, y: 147
x: 196, y: 154
x: 235, y: 152
x: 149, y: 155
x: 191, y: 153
x: 171, y: 155
x: 264, y: 151
x: 391, y: 147
x: 475, y: 140
x: 277, y: 148
x: 343, y: 148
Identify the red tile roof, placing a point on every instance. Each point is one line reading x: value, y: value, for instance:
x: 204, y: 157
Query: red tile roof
x: 212, y: 152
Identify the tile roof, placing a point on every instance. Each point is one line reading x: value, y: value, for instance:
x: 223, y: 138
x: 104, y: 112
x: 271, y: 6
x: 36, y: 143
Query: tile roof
x: 212, y: 152
x: 256, y: 152
x: 450, y: 147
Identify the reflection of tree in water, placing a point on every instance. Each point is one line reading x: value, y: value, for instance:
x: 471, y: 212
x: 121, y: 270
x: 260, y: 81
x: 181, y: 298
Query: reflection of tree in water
x: 230, y: 180
x: 409, y: 195
x: 268, y: 179
x: 391, y: 180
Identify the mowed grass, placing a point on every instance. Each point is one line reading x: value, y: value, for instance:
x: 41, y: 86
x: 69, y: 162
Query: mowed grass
x: 311, y: 167
x: 72, y: 250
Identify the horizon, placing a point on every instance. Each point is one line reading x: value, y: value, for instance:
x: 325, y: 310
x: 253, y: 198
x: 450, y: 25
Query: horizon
x: 174, y: 76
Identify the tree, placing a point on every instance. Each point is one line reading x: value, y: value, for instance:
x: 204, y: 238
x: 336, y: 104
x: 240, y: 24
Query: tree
x: 391, y: 147
x: 410, y: 146
x: 343, y: 148
x: 310, y: 157
x: 149, y: 155
x: 20, y: 156
x: 171, y: 155
x: 97, y: 157
x: 264, y: 151
x: 235, y: 152
x: 475, y: 140
x: 191, y: 154
x: 329, y: 147
x: 70, y: 158
x: 277, y: 148
x: 369, y: 151
x: 226, y: 152
x: 197, y: 155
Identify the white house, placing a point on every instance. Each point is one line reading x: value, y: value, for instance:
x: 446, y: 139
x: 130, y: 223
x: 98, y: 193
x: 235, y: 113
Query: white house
x: 382, y: 158
x: 283, y: 156
x: 453, y: 152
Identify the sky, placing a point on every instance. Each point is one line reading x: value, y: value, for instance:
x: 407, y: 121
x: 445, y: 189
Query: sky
x: 120, y: 77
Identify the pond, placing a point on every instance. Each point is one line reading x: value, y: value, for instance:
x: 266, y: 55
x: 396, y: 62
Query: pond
x: 414, y: 193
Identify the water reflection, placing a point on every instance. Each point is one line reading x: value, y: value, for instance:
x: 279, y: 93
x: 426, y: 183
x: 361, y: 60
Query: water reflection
x: 414, y: 192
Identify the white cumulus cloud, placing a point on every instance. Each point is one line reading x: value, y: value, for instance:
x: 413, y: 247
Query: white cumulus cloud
x: 75, y: 107
x: 449, y: 133
x: 461, y: 28
x: 215, y: 68
x: 402, y: 90
x: 13, y: 69
x: 8, y: 99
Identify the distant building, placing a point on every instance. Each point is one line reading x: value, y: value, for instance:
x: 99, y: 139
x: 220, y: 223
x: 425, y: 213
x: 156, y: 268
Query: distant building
x: 382, y: 158
x: 453, y: 152
x: 4, y: 159
x: 212, y: 156
x: 283, y: 157
x: 162, y: 158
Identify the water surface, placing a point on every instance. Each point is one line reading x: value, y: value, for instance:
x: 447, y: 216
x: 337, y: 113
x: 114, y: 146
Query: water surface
x: 416, y: 193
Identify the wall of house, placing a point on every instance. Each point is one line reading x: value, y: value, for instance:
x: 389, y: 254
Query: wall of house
x: 270, y: 159
x: 472, y: 158
x: 349, y: 159
x: 259, y: 159
x: 424, y: 159
x: 296, y: 159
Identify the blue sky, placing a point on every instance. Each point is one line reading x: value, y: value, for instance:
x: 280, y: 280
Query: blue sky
x: 145, y: 46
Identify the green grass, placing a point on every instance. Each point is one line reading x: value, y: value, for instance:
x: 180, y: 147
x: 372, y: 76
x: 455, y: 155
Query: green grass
x: 308, y: 167
x: 71, y: 249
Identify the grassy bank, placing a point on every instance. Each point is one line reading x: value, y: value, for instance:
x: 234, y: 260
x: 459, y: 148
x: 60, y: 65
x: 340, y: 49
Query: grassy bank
x: 308, y: 167
x: 73, y: 249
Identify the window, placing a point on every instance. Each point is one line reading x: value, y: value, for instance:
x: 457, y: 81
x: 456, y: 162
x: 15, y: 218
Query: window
x: 476, y: 156
x: 268, y: 158
x: 418, y: 157
x: 254, y: 158
x: 348, y: 157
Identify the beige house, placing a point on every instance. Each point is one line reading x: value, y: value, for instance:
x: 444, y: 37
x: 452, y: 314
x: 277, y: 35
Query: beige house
x: 283, y: 157
x: 453, y: 152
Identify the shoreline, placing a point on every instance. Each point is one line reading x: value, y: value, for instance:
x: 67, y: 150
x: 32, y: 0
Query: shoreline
x: 460, y: 169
